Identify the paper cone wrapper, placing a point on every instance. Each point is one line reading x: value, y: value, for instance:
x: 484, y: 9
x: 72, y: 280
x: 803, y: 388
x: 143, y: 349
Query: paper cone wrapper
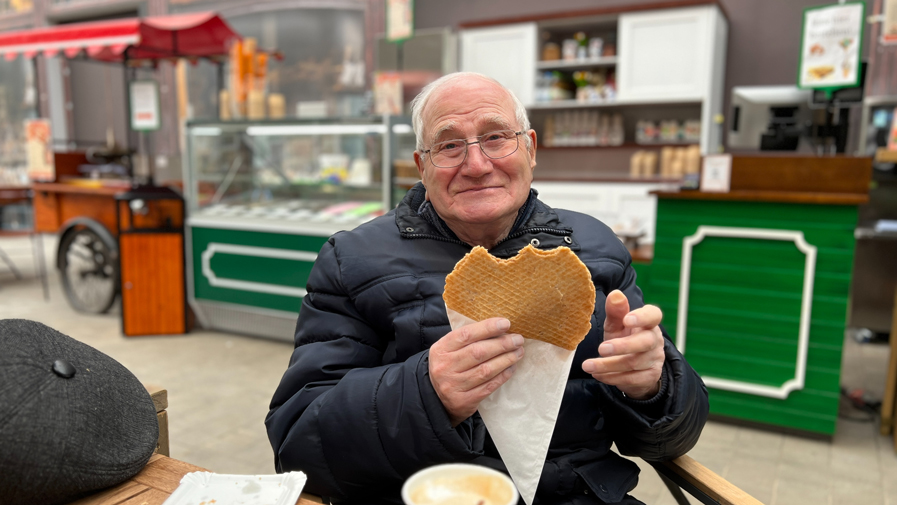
x: 521, y: 414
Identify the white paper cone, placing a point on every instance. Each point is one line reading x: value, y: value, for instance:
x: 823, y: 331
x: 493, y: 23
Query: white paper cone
x: 521, y: 414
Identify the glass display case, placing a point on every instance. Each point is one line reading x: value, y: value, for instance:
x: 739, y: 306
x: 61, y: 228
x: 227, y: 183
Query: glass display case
x: 263, y: 197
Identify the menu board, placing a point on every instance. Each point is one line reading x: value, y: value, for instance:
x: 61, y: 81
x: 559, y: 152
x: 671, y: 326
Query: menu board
x: 39, y: 145
x: 399, y: 20
x: 889, y: 23
x: 145, y: 106
x: 831, y: 46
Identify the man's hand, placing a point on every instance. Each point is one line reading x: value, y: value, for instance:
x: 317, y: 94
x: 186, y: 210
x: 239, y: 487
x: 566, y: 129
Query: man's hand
x: 468, y: 364
x: 632, y: 352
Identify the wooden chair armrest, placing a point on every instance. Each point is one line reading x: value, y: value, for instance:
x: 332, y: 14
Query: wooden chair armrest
x: 160, y: 401
x: 159, y: 396
x: 702, y: 483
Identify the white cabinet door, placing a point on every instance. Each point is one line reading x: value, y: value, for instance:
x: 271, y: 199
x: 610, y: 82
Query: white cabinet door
x: 505, y: 53
x: 666, y: 55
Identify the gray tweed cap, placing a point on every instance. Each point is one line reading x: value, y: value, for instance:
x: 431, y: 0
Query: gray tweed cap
x: 72, y: 420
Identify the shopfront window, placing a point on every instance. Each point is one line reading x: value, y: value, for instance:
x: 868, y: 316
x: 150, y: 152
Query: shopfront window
x: 322, y: 73
x: 17, y: 103
x: 16, y: 6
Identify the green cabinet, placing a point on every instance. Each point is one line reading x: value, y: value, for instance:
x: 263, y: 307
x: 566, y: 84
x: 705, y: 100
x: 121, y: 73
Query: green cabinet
x: 755, y: 294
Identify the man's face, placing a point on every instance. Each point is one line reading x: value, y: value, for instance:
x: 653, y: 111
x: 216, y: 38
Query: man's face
x: 481, y: 191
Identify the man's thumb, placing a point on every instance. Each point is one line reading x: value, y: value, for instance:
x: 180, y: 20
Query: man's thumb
x: 616, y: 307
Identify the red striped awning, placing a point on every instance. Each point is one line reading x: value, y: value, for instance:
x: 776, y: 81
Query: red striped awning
x: 200, y: 34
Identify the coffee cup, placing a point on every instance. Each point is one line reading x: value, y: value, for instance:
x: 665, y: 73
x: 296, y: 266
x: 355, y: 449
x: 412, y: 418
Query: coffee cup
x: 459, y: 484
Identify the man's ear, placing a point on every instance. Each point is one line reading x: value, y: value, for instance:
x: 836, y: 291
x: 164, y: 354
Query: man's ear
x: 420, y: 170
x: 531, y: 147
x: 419, y: 162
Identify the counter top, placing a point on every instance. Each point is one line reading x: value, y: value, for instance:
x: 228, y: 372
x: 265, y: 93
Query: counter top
x: 769, y: 196
x: 764, y: 177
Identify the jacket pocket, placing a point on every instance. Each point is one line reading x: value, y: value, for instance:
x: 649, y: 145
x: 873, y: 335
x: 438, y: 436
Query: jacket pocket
x: 609, y: 478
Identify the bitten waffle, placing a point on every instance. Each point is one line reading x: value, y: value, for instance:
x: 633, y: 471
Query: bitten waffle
x: 547, y: 295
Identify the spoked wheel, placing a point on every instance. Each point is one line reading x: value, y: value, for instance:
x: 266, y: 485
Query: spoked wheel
x: 89, y: 270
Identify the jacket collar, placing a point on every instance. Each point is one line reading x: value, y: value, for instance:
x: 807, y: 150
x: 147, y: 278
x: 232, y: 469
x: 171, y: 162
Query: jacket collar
x: 536, y: 223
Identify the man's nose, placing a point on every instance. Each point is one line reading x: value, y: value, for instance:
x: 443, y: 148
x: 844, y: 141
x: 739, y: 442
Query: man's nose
x: 477, y: 163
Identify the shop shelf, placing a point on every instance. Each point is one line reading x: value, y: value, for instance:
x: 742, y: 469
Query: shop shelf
x: 575, y: 104
x: 607, y: 61
x: 625, y: 145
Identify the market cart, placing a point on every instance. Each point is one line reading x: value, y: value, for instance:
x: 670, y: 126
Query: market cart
x: 90, y: 216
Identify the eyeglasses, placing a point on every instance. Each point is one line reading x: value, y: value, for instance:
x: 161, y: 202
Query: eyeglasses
x: 495, y: 145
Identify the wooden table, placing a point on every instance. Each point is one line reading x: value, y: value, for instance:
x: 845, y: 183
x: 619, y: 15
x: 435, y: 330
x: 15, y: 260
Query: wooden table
x: 155, y: 483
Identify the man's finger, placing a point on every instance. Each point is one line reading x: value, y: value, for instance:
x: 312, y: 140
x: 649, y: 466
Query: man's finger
x: 488, y: 370
x: 630, y: 379
x: 466, y: 335
x: 621, y: 364
x: 637, y: 342
x: 485, y: 389
x: 482, y: 351
x: 616, y: 307
x: 648, y: 316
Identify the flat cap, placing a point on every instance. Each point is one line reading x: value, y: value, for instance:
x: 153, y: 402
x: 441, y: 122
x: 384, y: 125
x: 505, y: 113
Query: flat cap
x: 72, y: 419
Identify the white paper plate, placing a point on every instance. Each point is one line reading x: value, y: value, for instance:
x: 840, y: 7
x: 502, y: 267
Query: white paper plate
x: 198, y: 487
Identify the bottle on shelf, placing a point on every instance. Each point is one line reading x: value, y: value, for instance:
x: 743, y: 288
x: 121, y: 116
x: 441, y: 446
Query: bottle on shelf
x: 693, y: 159
x: 582, y: 45
x: 582, y: 128
x: 669, y: 131
x: 646, y: 132
x: 617, y: 134
x: 551, y: 51
x: 609, y: 48
x: 595, y: 46
x: 649, y: 164
x: 643, y: 163
x: 548, y: 133
x: 568, y: 49
x: 666, y: 161
x: 692, y: 130
x: 635, y: 164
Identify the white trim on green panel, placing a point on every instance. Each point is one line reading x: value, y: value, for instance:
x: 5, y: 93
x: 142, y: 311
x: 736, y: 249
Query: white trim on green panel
x: 260, y: 252
x: 797, y: 237
x: 272, y: 225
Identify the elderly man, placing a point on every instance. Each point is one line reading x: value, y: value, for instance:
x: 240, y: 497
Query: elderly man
x: 379, y: 386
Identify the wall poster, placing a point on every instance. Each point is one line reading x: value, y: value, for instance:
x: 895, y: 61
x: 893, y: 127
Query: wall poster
x: 831, y: 45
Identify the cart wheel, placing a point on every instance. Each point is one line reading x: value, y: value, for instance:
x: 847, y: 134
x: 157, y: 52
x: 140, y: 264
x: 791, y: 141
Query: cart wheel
x: 89, y: 268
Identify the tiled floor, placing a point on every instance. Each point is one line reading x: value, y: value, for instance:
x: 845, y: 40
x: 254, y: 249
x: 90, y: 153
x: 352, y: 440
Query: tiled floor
x: 219, y: 387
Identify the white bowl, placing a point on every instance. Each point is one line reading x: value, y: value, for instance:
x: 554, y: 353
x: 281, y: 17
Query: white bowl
x: 459, y: 484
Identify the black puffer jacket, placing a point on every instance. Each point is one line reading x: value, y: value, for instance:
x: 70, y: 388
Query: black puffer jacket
x: 356, y: 410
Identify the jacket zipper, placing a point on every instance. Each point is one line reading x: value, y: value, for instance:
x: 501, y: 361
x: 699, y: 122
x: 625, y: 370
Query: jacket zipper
x: 516, y: 234
x: 538, y: 229
x: 434, y: 237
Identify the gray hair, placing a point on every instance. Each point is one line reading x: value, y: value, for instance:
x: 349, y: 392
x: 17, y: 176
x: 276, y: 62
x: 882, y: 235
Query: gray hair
x: 420, y: 103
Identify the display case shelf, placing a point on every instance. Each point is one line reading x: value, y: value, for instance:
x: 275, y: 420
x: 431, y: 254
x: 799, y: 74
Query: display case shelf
x: 606, y: 61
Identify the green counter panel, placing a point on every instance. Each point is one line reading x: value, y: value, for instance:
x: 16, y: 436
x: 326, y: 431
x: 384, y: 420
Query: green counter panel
x: 744, y: 303
x: 258, y: 269
x: 643, y: 278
